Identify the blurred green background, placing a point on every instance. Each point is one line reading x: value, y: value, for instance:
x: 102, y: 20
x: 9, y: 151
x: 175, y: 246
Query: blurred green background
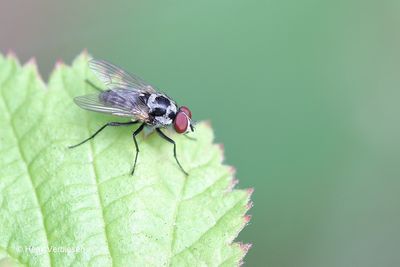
x: 304, y: 95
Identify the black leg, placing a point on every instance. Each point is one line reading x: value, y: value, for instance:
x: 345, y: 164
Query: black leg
x: 172, y: 142
x: 138, y: 130
x: 94, y: 86
x: 102, y: 128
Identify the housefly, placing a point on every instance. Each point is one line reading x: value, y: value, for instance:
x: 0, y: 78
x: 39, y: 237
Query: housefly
x: 129, y: 96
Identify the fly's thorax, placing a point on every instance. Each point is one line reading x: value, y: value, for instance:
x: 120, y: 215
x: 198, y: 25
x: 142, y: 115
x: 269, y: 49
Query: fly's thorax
x: 161, y: 109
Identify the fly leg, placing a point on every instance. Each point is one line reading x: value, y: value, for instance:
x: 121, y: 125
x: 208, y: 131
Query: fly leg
x: 94, y: 86
x: 190, y: 138
x: 102, y: 128
x: 172, y: 142
x: 136, y: 132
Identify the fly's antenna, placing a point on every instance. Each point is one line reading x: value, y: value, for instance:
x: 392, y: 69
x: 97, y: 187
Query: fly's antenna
x: 193, y: 124
x: 190, y: 138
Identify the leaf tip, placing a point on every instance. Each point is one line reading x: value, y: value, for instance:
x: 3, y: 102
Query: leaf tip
x: 207, y: 123
x: 33, y: 64
x: 32, y: 61
x: 232, y: 184
x: 59, y: 63
x: 245, y: 247
x: 221, y: 149
x: 249, y: 205
x: 250, y: 191
x: 11, y: 54
x: 85, y: 54
x: 232, y: 170
x: 247, y: 218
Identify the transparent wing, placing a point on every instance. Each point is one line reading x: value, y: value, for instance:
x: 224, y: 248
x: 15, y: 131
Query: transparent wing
x: 94, y: 102
x: 116, y: 78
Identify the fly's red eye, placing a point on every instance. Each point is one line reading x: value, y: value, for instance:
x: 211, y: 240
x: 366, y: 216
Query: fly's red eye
x: 181, y: 122
x: 187, y: 111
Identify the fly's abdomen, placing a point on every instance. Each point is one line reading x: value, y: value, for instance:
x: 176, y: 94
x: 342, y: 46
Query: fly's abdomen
x: 114, y: 98
x: 125, y: 99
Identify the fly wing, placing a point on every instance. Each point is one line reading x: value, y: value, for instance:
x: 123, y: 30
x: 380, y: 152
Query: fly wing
x: 116, y: 78
x: 123, y: 103
x: 92, y: 102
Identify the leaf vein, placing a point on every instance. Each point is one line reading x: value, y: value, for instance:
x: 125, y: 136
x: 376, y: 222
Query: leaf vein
x: 96, y: 180
x: 27, y: 169
x: 211, y: 228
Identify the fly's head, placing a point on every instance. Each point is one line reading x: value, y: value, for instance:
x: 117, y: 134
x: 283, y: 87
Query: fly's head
x: 183, y: 120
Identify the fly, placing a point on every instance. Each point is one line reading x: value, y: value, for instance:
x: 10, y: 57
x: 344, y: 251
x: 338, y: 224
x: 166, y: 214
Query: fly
x: 129, y: 96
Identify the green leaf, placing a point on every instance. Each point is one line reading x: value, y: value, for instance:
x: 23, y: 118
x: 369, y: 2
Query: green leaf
x: 62, y: 207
